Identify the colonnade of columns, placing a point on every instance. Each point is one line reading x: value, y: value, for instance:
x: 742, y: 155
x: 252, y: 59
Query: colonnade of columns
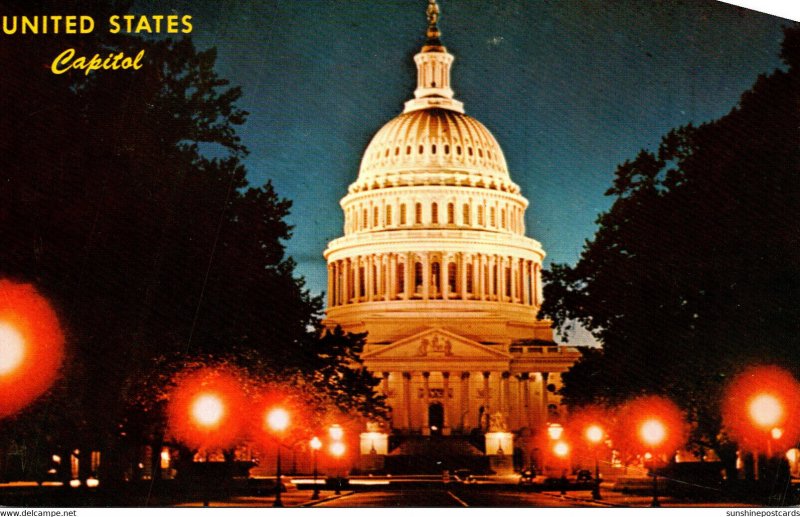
x: 468, y: 400
x: 434, y: 275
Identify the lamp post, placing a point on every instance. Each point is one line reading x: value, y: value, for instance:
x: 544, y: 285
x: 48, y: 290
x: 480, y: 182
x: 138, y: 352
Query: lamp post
x: 765, y: 411
x: 653, y: 432
x: 278, y: 421
x: 337, y: 449
x: 561, y: 450
x: 594, y: 433
x: 316, y: 445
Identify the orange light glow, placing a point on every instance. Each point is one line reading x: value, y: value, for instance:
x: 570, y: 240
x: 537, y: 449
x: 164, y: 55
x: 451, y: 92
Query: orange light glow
x: 554, y: 431
x: 316, y: 443
x: 205, y: 409
x: 337, y: 449
x: 765, y: 410
x: 650, y: 424
x: 653, y: 432
x: 756, y: 408
x: 561, y: 449
x: 31, y: 346
x: 278, y: 419
x: 12, y: 349
x: 336, y: 432
x: 594, y: 433
x: 208, y: 409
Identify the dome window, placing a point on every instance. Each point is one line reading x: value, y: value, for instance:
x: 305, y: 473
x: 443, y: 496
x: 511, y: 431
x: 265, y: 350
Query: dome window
x: 403, y: 214
x: 408, y: 149
x: 401, y: 278
x: 388, y: 215
x: 480, y: 152
x: 418, y: 213
x: 421, y: 149
x: 489, y: 153
x: 469, y: 278
x: 435, y: 213
x: 465, y: 215
x: 451, y: 213
x: 396, y: 151
x: 458, y: 150
x: 446, y: 149
x: 469, y: 150
x: 480, y: 215
x: 433, y: 149
x: 387, y: 152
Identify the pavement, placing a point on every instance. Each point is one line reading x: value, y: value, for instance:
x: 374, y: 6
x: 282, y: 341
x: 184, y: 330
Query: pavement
x: 634, y: 500
x: 290, y: 499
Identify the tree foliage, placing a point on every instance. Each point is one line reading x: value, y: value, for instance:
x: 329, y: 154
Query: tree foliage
x: 694, y: 272
x: 125, y: 201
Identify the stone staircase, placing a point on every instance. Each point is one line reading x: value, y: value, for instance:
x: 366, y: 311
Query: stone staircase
x: 434, y: 454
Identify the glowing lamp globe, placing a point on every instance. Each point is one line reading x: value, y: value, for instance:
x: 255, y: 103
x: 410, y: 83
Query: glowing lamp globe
x: 765, y: 410
x: 316, y: 443
x: 336, y: 432
x: 278, y: 419
x: 653, y: 432
x: 12, y: 348
x: 337, y: 449
x: 561, y: 449
x: 594, y: 433
x: 554, y: 431
x: 208, y: 410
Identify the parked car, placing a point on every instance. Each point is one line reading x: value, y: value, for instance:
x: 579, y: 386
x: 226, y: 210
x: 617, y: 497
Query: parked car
x: 584, y: 476
x: 527, y: 476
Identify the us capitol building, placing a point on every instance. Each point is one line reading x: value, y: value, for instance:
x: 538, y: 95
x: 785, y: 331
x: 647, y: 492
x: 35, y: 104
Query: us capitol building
x: 435, y: 265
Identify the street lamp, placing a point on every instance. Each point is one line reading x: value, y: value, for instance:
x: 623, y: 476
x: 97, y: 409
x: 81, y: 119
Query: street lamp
x: 554, y: 431
x: 316, y: 445
x: 278, y: 421
x: 337, y: 450
x: 12, y: 349
x: 653, y: 432
x: 595, y: 433
x: 207, y: 410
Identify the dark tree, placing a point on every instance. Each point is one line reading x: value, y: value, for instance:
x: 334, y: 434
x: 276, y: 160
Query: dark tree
x: 125, y: 201
x: 694, y: 272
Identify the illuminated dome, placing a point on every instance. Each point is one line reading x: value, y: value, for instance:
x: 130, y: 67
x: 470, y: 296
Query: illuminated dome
x: 436, y: 268
x: 433, y: 146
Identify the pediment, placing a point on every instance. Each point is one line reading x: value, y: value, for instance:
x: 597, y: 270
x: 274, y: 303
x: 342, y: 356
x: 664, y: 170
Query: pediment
x: 436, y: 343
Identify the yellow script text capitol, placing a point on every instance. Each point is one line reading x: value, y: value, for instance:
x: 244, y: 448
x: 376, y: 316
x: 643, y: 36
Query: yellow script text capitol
x: 66, y: 60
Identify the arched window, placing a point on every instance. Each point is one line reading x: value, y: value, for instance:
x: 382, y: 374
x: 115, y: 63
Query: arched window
x: 418, y: 213
x: 492, y: 217
x: 365, y: 219
x: 469, y: 278
x: 480, y: 215
x: 418, y: 277
x: 435, y: 213
x: 451, y: 213
x: 401, y: 278
x: 433, y: 149
x: 503, y: 217
x: 465, y: 215
x: 403, y: 215
x: 446, y: 149
x: 375, y: 217
x: 388, y: 215
x: 451, y: 277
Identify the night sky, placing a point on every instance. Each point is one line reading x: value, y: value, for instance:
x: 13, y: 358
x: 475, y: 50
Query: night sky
x: 570, y: 89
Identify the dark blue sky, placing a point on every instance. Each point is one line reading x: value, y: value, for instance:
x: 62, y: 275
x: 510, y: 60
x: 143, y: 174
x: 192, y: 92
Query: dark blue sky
x: 569, y: 88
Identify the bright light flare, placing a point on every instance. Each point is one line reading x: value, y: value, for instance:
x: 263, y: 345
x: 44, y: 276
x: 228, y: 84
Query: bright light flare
x: 650, y: 424
x: 594, y: 433
x: 561, y: 449
x: 31, y: 346
x: 653, y: 432
x: 336, y: 432
x: 205, y: 409
x: 208, y: 409
x: 758, y: 400
x: 278, y: 419
x: 316, y: 443
x: 554, y: 431
x: 337, y: 449
x: 765, y: 410
x: 776, y: 433
x: 12, y: 348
